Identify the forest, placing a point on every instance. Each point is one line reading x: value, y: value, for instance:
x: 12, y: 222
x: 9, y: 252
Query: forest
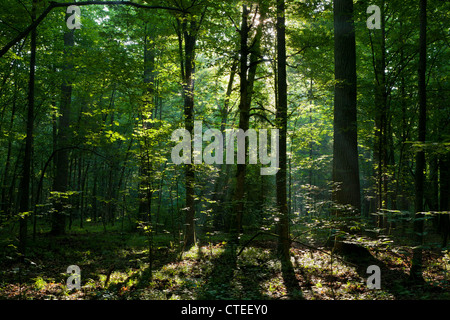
x: 224, y: 150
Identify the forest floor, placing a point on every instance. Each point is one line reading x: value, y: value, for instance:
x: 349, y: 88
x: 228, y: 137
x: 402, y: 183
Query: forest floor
x: 115, y: 265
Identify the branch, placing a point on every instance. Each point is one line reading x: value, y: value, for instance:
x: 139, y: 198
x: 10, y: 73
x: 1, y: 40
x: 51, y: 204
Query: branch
x: 24, y: 33
x: 234, y: 23
x: 10, y: 26
x: 260, y: 107
x: 259, y: 61
x: 262, y: 116
x: 129, y: 3
x: 300, y: 51
x: 53, y: 5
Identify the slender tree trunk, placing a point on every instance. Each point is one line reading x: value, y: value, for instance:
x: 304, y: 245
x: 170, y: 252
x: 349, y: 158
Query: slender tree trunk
x: 380, y: 149
x: 416, y: 263
x: 432, y: 190
x: 243, y: 124
x: 61, y: 180
x: 311, y: 199
x: 145, y: 169
x: 284, y: 241
x: 160, y: 192
x: 84, y: 182
x: 94, y: 193
x: 399, y: 197
x: 281, y: 119
x: 5, y: 200
x: 219, y: 186
x: 79, y: 187
x: 24, y: 200
x: 444, y: 191
x: 189, y: 64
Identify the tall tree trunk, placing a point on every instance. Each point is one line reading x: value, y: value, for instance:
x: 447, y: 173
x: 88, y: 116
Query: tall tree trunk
x: 284, y: 242
x: 380, y: 150
x: 187, y: 30
x: 61, y: 180
x: 444, y: 191
x: 84, y: 182
x: 24, y: 200
x: 281, y: 120
x: 145, y: 189
x: 345, y: 175
x: 243, y: 124
x: 247, y: 74
x: 345, y: 149
x: 416, y: 263
x: 189, y: 236
x: 5, y: 197
x: 219, y: 186
x: 400, y: 201
x: 94, y: 192
x: 79, y: 188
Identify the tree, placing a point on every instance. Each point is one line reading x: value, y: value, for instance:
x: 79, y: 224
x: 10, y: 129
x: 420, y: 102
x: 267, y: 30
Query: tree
x: 284, y: 242
x: 243, y: 122
x: 380, y: 147
x: 24, y: 203
x: 416, y: 263
x: 188, y: 27
x: 61, y: 180
x: 345, y: 148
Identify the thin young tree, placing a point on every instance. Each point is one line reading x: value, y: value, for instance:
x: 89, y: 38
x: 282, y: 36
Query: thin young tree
x: 243, y: 122
x: 61, y: 180
x: 24, y: 201
x: 281, y: 120
x: 416, y: 263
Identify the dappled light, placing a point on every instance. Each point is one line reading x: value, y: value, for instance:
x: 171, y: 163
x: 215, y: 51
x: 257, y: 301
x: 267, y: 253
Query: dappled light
x: 224, y: 151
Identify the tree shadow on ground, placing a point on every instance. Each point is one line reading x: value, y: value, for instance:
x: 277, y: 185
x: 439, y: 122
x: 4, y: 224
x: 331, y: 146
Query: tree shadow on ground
x: 394, y: 281
x: 219, y: 281
x: 234, y: 277
x: 290, y: 280
x: 221, y: 277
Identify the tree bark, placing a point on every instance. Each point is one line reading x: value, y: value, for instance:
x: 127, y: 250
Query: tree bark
x: 5, y: 196
x: 416, y: 263
x: 284, y: 241
x: 236, y: 222
x: 24, y: 200
x: 380, y: 150
x: 247, y: 75
x: 220, y: 184
x: 61, y: 180
x: 187, y: 30
x: 345, y: 149
x: 145, y: 169
x: 281, y: 119
x: 444, y: 191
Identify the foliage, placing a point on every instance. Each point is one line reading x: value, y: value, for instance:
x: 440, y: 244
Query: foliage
x: 125, y: 201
